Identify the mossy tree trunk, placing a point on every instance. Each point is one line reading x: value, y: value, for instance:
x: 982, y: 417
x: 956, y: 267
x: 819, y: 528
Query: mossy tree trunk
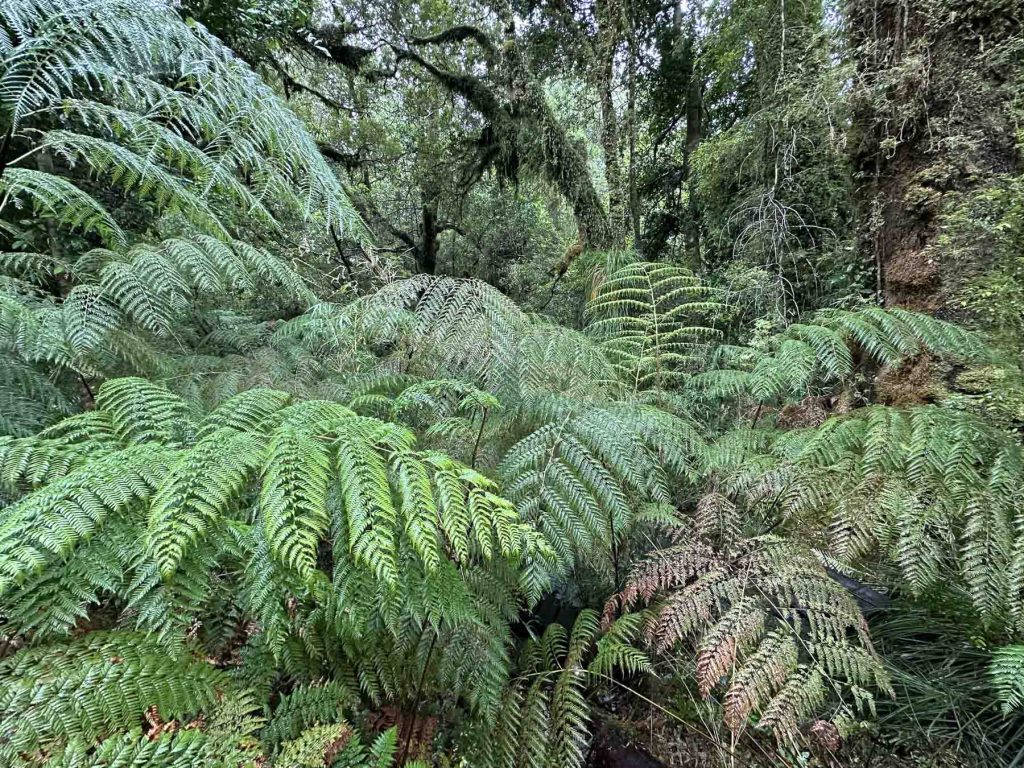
x: 609, y: 36
x: 931, y: 122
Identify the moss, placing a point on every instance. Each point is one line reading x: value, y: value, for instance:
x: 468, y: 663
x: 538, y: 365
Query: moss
x: 994, y: 391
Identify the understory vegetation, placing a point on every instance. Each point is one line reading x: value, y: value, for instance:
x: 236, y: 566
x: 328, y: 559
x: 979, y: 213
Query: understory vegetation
x: 511, y: 383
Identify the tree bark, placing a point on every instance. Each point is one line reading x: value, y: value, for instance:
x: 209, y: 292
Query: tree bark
x: 631, y: 121
x: 426, y: 261
x: 609, y: 15
x: 686, y: 37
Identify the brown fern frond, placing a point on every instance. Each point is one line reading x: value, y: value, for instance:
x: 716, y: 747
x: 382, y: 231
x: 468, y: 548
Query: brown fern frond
x: 768, y: 626
x: 661, y: 571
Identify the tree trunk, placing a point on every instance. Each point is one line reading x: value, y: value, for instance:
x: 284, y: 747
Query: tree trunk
x: 931, y: 123
x: 522, y: 124
x: 612, y: 165
x: 608, y: 37
x: 686, y: 37
x: 426, y: 261
x: 631, y: 122
x: 525, y: 128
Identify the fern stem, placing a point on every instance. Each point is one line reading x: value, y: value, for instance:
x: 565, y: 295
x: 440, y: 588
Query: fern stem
x: 615, y: 548
x: 4, y: 146
x: 341, y: 251
x: 479, y: 434
x: 416, y: 701
x: 757, y: 415
x: 88, y: 397
x: 25, y: 155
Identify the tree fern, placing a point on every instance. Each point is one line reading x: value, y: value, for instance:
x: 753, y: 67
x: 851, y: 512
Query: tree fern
x: 194, y: 488
x: 361, y: 567
x: 937, y: 490
x: 124, y: 48
x: 769, y: 626
x: 128, y: 95
x: 583, y: 477
x: 441, y: 328
x: 653, y: 321
x: 823, y: 353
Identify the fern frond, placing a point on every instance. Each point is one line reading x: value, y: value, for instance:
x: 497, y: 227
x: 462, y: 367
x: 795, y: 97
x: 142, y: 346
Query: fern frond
x: 1008, y: 676
x: 59, y: 200
x: 132, y: 49
x: 249, y: 411
x: 97, y: 684
x: 769, y: 625
x: 304, y: 708
x: 51, y: 521
x: 197, y: 492
x: 143, y: 412
x: 171, y: 748
x: 823, y: 353
x: 315, y: 746
x: 293, y: 500
x: 653, y: 321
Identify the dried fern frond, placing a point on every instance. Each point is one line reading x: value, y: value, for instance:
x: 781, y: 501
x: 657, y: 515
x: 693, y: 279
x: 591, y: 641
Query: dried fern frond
x: 770, y: 629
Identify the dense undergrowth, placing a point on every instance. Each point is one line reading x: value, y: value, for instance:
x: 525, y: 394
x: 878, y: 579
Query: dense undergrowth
x: 254, y: 515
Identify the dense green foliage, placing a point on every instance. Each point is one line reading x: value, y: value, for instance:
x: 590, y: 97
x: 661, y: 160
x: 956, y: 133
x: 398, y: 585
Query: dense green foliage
x: 506, y: 383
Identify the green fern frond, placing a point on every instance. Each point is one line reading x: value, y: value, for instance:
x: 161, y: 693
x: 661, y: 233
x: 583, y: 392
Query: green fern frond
x: 583, y: 478
x: 59, y: 200
x: 303, y: 708
x: 183, y: 748
x: 249, y: 411
x: 1008, y: 676
x: 197, y: 492
x: 652, y: 319
x: 49, y: 605
x: 934, y: 489
x: 315, y: 746
x: 545, y: 716
x: 293, y: 500
x: 143, y: 412
x: 127, y: 48
x: 51, y: 521
x: 88, y: 321
x: 823, y: 353
x: 95, y: 685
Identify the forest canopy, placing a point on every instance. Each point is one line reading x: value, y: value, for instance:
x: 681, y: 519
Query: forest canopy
x: 511, y: 383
